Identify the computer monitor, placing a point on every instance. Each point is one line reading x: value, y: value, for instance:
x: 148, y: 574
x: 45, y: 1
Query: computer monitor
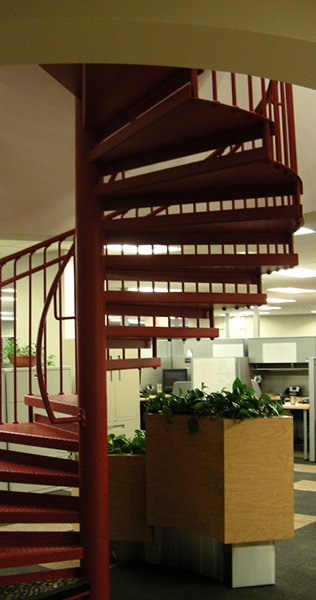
x: 169, y: 376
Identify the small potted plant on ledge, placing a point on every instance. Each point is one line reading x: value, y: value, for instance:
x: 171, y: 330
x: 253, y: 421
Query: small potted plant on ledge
x: 220, y: 464
x: 21, y: 356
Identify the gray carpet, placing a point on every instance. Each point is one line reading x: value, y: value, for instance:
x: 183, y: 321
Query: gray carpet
x: 295, y: 570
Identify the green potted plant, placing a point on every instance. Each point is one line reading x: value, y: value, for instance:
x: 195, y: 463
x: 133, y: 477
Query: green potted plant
x: 127, y: 488
x: 220, y: 464
x: 20, y: 356
x: 17, y: 354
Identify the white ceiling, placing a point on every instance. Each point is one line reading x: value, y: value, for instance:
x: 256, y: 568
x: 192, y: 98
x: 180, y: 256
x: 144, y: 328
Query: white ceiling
x: 37, y: 169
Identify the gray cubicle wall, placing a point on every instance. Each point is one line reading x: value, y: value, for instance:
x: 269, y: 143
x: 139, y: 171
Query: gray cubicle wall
x: 179, y: 354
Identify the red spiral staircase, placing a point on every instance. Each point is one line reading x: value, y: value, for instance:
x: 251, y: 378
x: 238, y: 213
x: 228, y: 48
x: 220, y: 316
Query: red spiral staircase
x: 192, y: 198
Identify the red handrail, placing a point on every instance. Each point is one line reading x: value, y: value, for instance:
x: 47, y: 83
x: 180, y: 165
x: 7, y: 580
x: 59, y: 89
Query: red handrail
x: 26, y: 266
x: 39, y: 366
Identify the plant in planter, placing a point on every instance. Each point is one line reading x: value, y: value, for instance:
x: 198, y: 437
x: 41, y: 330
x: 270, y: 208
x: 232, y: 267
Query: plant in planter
x: 233, y: 478
x: 21, y: 355
x: 239, y: 404
x: 127, y: 488
x: 120, y: 444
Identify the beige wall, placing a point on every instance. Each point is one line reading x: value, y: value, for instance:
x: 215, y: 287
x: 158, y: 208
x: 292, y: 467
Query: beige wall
x: 273, y: 38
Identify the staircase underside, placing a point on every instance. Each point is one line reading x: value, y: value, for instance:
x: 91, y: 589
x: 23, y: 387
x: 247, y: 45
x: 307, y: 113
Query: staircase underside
x: 179, y: 126
x: 237, y: 176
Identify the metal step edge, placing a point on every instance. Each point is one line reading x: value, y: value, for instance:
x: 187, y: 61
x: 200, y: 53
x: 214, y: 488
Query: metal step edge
x: 32, y: 576
x: 23, y: 556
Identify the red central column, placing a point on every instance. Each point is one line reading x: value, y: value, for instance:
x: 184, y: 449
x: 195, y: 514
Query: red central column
x: 91, y: 366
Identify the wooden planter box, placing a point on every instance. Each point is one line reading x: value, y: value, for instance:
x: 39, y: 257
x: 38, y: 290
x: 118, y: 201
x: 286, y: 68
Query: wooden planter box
x: 233, y: 482
x: 127, y: 498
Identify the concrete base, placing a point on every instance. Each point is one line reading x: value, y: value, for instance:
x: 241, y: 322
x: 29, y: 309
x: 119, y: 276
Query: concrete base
x: 236, y: 565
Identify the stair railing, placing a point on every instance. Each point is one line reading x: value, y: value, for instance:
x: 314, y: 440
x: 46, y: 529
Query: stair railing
x: 41, y: 330
x: 25, y: 277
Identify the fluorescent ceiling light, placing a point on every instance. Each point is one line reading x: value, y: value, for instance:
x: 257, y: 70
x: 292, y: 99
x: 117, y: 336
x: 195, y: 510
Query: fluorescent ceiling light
x: 279, y: 300
x: 297, y: 272
x: 10, y: 299
x: 135, y: 322
x: 144, y: 249
x: 8, y: 290
x: 248, y: 313
x: 270, y: 308
x: 304, y: 231
x: 291, y: 290
x: 150, y: 289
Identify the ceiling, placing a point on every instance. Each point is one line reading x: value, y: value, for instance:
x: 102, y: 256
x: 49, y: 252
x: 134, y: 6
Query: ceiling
x: 37, y: 171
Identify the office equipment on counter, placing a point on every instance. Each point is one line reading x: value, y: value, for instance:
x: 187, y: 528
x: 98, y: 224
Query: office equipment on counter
x: 295, y: 390
x: 185, y: 386
x: 169, y: 376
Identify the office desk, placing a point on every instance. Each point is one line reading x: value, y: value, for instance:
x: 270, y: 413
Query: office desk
x: 305, y: 408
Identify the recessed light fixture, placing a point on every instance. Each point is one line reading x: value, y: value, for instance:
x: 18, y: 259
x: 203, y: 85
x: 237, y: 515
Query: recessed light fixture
x: 291, y: 290
x: 270, y: 308
x: 304, y: 231
x: 296, y: 272
x: 144, y: 249
x: 149, y: 289
x: 244, y: 313
x: 280, y: 300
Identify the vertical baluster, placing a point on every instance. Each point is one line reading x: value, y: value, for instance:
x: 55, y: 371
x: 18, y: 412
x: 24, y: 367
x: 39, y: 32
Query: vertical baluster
x: 30, y: 408
x: 284, y: 126
x: 277, y: 130
x: 75, y: 332
x: 15, y: 344
x: 250, y: 92
x: 194, y: 83
x: 264, y: 98
x: 214, y: 85
x: 291, y: 126
x: 60, y: 322
x: 44, y: 353
x: 234, y: 90
x: 1, y: 398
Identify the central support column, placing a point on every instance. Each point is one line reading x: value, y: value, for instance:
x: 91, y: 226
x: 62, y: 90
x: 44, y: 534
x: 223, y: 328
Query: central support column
x: 91, y: 370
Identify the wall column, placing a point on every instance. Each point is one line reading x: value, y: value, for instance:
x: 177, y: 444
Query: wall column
x: 256, y: 322
x: 91, y: 366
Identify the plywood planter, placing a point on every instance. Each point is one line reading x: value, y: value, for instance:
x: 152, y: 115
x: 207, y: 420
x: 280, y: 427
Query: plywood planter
x: 233, y: 482
x: 127, y: 498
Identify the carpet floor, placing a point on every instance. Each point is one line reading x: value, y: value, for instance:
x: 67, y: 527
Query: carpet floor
x: 295, y: 565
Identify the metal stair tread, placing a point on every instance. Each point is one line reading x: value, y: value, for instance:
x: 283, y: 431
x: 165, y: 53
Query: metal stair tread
x: 63, y: 403
x: 268, y: 224
x: 37, y: 434
x: 249, y: 174
x: 21, y: 473
x: 180, y: 125
x: 26, y: 555
x: 33, y: 514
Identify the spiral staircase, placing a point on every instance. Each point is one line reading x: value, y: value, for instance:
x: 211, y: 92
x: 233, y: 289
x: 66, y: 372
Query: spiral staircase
x: 211, y: 192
